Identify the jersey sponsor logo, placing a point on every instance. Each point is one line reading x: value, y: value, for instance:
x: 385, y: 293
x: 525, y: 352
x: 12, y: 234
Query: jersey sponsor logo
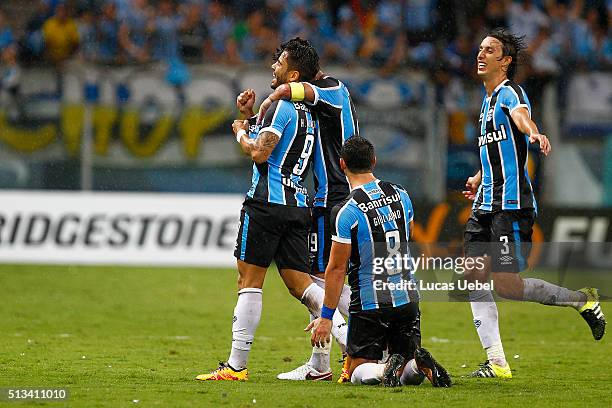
x: 392, y: 216
x: 301, y: 106
x: 379, y: 202
x: 493, y: 137
x: 287, y: 182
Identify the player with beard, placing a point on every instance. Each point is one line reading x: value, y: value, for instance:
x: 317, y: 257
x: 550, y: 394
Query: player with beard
x: 274, y: 221
x: 331, y: 101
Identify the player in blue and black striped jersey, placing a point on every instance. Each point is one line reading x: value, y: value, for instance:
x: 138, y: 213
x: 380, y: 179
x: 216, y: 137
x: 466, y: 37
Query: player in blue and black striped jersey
x: 504, y: 205
x: 373, y: 224
x: 331, y: 101
x: 275, y: 217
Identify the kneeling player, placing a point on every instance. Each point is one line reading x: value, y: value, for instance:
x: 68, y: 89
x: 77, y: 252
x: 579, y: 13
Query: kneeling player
x: 383, y: 312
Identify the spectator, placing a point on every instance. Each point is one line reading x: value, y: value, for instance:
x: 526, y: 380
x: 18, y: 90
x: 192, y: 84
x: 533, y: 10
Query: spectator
x: 295, y: 23
x: 193, y: 33
x: 10, y: 75
x: 165, y: 29
x: 543, y: 67
x: 386, y: 47
x: 346, y: 43
x: 418, y: 18
x: 133, y: 31
x: 460, y: 56
x: 495, y: 15
x: 6, y: 34
x: 526, y: 19
x: 122, y: 7
x: 33, y: 43
x: 108, y: 36
x: 220, y: 28
x: 60, y: 35
x: 88, y: 36
x: 602, y: 49
x: 255, y: 40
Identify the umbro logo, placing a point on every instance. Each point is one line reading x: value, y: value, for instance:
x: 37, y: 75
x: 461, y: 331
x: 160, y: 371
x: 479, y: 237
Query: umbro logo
x: 477, y: 323
x: 506, y: 259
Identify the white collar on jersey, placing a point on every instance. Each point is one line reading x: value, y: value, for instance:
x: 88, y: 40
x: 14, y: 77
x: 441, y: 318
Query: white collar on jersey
x: 361, y: 185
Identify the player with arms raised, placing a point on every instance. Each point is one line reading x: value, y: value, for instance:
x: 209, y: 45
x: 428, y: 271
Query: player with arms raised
x: 331, y: 101
x: 504, y: 205
x: 275, y: 218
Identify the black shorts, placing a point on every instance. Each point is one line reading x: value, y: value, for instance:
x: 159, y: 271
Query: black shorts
x: 503, y: 235
x: 273, y: 232
x: 320, y: 239
x: 372, y: 331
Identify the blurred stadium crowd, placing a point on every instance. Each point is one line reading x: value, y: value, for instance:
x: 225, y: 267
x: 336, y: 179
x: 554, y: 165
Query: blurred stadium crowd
x: 388, y: 34
x: 439, y: 37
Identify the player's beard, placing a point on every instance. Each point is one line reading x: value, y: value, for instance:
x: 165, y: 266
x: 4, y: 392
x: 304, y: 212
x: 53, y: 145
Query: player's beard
x: 278, y: 80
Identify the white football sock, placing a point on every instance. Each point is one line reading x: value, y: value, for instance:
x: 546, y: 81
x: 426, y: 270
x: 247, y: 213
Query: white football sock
x: 345, y: 296
x: 313, y: 300
x: 411, y: 374
x: 484, y: 311
x: 246, y: 319
x: 320, y: 357
x: 537, y: 290
x: 495, y: 354
x: 368, y: 373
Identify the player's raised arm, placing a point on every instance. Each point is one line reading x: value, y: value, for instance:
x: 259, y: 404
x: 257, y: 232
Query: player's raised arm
x: 524, y: 123
x: 293, y: 91
x: 274, y: 123
x: 259, y: 148
x: 245, y: 101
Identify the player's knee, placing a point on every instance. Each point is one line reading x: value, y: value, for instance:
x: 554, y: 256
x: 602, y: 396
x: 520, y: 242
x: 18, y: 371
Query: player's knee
x: 508, y: 288
x: 295, y: 292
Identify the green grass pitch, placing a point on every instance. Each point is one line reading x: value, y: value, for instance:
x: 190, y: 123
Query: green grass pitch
x: 116, y: 335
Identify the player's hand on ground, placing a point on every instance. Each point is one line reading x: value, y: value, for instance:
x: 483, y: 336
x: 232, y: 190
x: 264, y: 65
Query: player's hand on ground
x: 263, y: 108
x: 245, y: 102
x: 240, y: 124
x: 321, y: 331
x: 471, y: 186
x: 542, y: 140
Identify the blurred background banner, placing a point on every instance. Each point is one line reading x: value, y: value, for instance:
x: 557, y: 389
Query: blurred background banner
x: 146, y: 135
x: 118, y: 228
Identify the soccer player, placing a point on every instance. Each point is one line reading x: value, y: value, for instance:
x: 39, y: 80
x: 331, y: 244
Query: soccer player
x: 504, y: 205
x: 331, y: 101
x: 274, y: 221
x: 374, y: 223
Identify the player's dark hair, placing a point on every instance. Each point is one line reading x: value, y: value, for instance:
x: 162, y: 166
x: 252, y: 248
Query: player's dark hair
x: 302, y: 57
x: 512, y: 46
x: 358, y: 154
